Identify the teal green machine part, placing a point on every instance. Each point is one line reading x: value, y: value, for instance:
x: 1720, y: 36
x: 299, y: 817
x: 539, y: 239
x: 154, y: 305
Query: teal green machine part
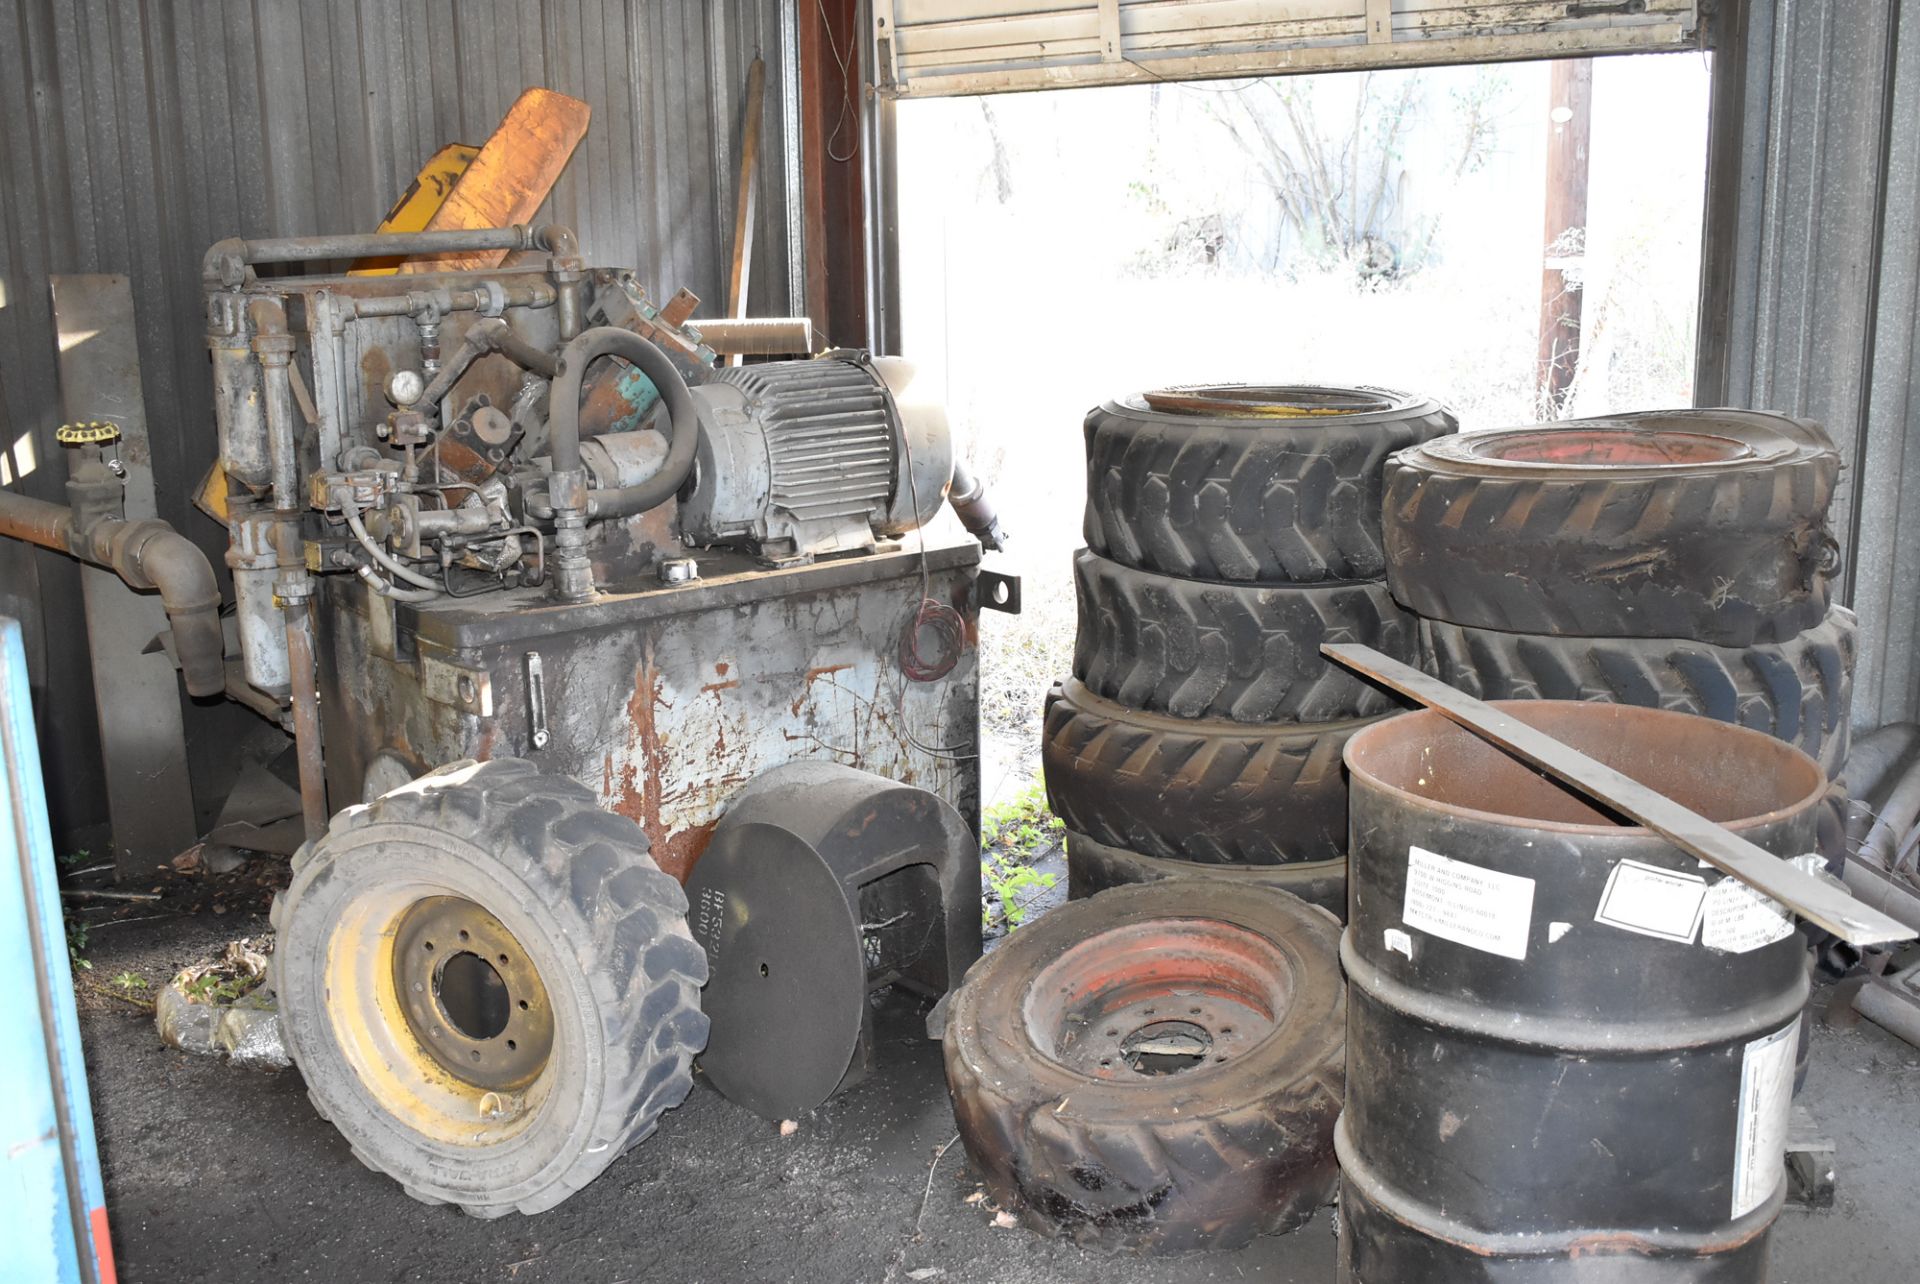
x: 55, y: 1214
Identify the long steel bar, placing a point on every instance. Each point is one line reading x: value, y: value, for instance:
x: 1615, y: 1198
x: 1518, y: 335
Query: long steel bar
x: 1799, y: 891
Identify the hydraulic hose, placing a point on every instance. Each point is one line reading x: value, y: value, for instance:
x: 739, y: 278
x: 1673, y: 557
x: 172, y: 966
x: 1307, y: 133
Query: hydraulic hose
x: 563, y: 423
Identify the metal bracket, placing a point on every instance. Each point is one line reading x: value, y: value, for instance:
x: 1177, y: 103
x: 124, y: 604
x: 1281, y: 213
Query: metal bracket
x: 537, y: 701
x: 999, y: 592
x: 1811, y: 1177
x: 468, y: 690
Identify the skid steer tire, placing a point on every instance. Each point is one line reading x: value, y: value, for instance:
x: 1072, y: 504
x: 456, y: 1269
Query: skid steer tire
x: 1706, y: 524
x: 1798, y: 691
x: 1093, y: 867
x: 1184, y: 789
x: 1285, y: 492
x: 1156, y: 1068
x: 591, y: 960
x: 1246, y: 652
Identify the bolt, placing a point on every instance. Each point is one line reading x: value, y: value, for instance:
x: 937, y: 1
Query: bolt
x: 678, y: 570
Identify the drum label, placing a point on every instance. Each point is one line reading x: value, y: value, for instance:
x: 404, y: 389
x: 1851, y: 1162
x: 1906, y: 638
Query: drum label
x: 1766, y: 1098
x: 1484, y: 909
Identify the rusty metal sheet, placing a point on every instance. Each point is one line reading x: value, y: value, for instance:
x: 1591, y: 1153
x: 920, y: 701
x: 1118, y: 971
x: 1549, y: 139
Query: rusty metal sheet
x: 668, y: 701
x: 143, y: 748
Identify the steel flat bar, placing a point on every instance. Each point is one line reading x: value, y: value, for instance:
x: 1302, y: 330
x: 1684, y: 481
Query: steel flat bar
x: 1686, y: 829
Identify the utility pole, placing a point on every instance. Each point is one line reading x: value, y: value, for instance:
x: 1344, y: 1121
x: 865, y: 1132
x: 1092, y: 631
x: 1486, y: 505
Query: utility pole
x: 1569, y: 130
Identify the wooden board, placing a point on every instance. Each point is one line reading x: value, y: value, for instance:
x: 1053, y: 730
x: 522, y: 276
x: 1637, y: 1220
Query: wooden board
x: 1830, y: 907
x: 511, y: 177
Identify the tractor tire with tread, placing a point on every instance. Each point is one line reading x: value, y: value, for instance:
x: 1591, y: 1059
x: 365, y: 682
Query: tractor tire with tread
x: 602, y: 926
x: 1799, y: 690
x: 1093, y: 867
x: 1085, y: 1141
x: 1249, y: 653
x: 1248, y: 498
x: 1189, y: 789
x: 1707, y: 524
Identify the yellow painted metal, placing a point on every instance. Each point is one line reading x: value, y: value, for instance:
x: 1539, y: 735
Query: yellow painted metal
x: 87, y: 433
x: 421, y: 201
x: 509, y: 180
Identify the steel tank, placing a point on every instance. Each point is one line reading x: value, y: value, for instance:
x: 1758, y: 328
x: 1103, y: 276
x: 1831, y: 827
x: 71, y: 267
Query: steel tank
x: 1570, y: 1045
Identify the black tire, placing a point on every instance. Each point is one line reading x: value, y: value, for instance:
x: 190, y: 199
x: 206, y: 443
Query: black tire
x: 1525, y: 531
x: 1093, y: 867
x: 1250, y: 497
x: 1211, y: 791
x: 1250, y: 653
x: 1059, y: 1118
x: 1798, y: 690
x: 603, y: 931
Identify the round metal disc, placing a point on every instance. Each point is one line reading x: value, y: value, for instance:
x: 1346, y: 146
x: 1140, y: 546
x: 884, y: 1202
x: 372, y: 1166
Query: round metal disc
x: 470, y: 994
x: 787, y: 985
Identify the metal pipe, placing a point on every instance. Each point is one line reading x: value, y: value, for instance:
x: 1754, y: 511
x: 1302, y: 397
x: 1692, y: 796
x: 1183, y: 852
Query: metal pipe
x: 975, y: 509
x: 758, y: 336
x: 491, y: 335
x: 36, y: 521
x: 1897, y: 815
x: 147, y: 555
x: 306, y: 718
x: 273, y: 346
x: 227, y: 261
x: 1876, y: 754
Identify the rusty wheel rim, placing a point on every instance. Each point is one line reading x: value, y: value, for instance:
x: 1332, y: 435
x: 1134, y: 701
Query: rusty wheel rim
x: 1157, y: 999
x: 470, y: 994
x: 1266, y: 401
x: 1600, y: 448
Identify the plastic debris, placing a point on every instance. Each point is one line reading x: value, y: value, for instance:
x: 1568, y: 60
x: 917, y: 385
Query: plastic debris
x: 222, y: 1007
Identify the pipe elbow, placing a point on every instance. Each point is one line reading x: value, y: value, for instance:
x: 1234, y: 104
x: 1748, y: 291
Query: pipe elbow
x: 175, y: 566
x: 559, y: 240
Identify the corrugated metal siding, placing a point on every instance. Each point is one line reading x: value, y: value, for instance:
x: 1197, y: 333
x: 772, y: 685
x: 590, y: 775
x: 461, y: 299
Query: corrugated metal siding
x: 132, y: 136
x: 1823, y: 250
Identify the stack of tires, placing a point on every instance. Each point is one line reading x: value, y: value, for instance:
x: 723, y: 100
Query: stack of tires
x: 1675, y: 559
x: 1230, y: 531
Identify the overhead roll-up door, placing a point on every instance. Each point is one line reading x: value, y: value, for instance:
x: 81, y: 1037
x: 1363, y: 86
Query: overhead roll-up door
x: 929, y: 48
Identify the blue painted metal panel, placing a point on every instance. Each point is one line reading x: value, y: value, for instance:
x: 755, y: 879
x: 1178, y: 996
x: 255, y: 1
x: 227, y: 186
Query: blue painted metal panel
x: 52, y: 1202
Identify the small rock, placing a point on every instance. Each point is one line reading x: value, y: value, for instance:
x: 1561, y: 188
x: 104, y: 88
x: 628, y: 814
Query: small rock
x: 788, y: 1127
x: 1005, y: 1220
x: 977, y: 1197
x: 189, y: 860
x: 926, y: 1273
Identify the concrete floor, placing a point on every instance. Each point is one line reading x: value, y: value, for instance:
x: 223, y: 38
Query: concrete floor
x: 217, y: 1173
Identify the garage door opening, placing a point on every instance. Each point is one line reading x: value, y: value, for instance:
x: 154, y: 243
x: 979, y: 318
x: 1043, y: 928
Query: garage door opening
x: 1387, y: 227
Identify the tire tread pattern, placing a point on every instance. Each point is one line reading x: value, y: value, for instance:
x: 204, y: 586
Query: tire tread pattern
x: 1248, y: 653
x: 1798, y: 691
x: 1259, y: 501
x: 1209, y: 791
x: 1733, y: 556
x: 588, y: 866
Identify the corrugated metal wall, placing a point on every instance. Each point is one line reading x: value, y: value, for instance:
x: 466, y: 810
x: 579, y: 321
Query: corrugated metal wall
x: 1818, y: 247
x: 132, y: 136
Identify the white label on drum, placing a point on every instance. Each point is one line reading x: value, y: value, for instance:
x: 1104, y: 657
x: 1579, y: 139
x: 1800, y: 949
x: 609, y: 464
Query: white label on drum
x: 1739, y: 919
x: 1766, y: 1097
x: 1467, y: 904
x: 1652, y: 901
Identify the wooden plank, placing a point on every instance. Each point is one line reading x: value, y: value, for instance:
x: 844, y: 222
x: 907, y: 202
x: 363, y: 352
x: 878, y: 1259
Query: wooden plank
x: 509, y: 180
x: 1686, y: 829
x: 746, y: 191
